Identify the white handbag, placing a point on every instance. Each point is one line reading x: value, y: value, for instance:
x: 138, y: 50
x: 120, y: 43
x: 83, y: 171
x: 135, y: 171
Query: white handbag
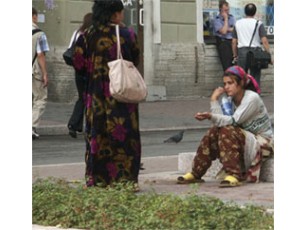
x: 126, y: 83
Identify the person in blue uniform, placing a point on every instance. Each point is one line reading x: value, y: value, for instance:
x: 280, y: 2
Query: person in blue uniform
x: 223, y: 26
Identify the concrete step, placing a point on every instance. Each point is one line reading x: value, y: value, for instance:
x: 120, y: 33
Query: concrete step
x: 185, y: 165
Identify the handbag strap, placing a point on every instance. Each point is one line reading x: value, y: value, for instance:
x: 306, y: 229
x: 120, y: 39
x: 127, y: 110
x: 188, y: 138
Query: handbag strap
x: 35, y: 56
x: 74, y: 40
x: 119, y: 53
x: 253, y: 33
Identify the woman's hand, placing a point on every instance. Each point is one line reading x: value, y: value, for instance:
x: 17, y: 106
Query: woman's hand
x: 217, y: 93
x: 202, y: 116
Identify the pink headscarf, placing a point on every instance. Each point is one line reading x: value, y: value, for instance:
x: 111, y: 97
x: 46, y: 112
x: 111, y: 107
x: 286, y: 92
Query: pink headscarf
x: 248, y: 79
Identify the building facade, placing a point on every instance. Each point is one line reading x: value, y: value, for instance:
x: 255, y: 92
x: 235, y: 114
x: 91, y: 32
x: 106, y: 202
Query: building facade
x: 179, y: 57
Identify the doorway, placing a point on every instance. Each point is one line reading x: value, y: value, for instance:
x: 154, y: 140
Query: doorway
x: 134, y: 18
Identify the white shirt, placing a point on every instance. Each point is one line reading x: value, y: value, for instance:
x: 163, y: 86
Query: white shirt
x: 244, y: 29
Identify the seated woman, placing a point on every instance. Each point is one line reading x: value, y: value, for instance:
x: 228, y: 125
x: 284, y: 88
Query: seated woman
x: 242, y: 140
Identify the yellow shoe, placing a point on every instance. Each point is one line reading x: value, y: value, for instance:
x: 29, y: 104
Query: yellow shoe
x: 230, y: 181
x: 188, y: 178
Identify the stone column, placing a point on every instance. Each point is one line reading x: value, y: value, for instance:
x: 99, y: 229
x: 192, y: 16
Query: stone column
x: 152, y: 38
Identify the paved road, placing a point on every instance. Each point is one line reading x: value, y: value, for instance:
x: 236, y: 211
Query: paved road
x: 61, y: 149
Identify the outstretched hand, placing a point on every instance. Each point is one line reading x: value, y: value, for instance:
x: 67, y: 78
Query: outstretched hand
x: 202, y: 116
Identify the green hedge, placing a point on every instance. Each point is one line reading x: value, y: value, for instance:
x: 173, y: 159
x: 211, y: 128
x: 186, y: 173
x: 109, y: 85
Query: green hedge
x: 59, y: 203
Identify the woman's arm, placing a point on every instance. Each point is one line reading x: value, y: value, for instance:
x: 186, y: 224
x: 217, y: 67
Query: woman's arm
x: 247, y: 109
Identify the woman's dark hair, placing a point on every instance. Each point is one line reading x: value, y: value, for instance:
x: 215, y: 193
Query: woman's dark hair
x: 87, y: 21
x: 104, y: 9
x: 250, y: 9
x: 238, y: 79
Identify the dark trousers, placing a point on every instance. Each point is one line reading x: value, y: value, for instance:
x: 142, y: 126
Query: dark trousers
x: 224, y: 50
x: 255, y: 72
x: 76, y: 119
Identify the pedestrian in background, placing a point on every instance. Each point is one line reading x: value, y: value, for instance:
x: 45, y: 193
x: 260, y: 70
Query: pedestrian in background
x: 39, y: 73
x: 242, y: 35
x: 241, y: 141
x: 112, y: 136
x: 223, y: 27
x: 75, y: 123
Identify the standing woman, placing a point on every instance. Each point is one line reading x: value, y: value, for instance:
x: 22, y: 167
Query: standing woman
x: 112, y: 136
x: 75, y: 123
x: 242, y: 140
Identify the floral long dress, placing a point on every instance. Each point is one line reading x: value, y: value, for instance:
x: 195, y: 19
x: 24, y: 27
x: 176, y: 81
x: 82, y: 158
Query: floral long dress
x: 113, y: 146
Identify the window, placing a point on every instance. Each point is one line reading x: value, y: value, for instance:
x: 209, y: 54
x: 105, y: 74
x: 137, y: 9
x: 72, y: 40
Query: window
x: 265, y: 12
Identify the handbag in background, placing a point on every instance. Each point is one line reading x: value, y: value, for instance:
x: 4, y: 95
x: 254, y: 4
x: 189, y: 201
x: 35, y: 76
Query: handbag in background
x: 69, y: 53
x: 126, y: 83
x: 257, y: 57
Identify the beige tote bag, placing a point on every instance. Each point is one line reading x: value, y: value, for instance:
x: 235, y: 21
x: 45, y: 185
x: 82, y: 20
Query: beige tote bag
x: 126, y: 83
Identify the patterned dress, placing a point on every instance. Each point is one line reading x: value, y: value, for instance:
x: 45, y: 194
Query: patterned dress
x: 113, y: 146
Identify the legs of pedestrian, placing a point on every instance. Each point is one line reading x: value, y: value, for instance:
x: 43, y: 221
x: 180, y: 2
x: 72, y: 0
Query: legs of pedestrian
x: 225, y: 52
x: 39, y: 101
x: 256, y: 73
x: 75, y: 123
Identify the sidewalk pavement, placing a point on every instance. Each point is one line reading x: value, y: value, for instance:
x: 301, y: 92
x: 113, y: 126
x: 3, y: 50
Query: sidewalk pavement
x: 160, y: 172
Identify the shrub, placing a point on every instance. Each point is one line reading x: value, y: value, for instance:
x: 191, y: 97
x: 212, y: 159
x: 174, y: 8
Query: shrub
x: 59, y: 203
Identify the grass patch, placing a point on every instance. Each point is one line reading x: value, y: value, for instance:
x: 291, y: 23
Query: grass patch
x: 56, y: 202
